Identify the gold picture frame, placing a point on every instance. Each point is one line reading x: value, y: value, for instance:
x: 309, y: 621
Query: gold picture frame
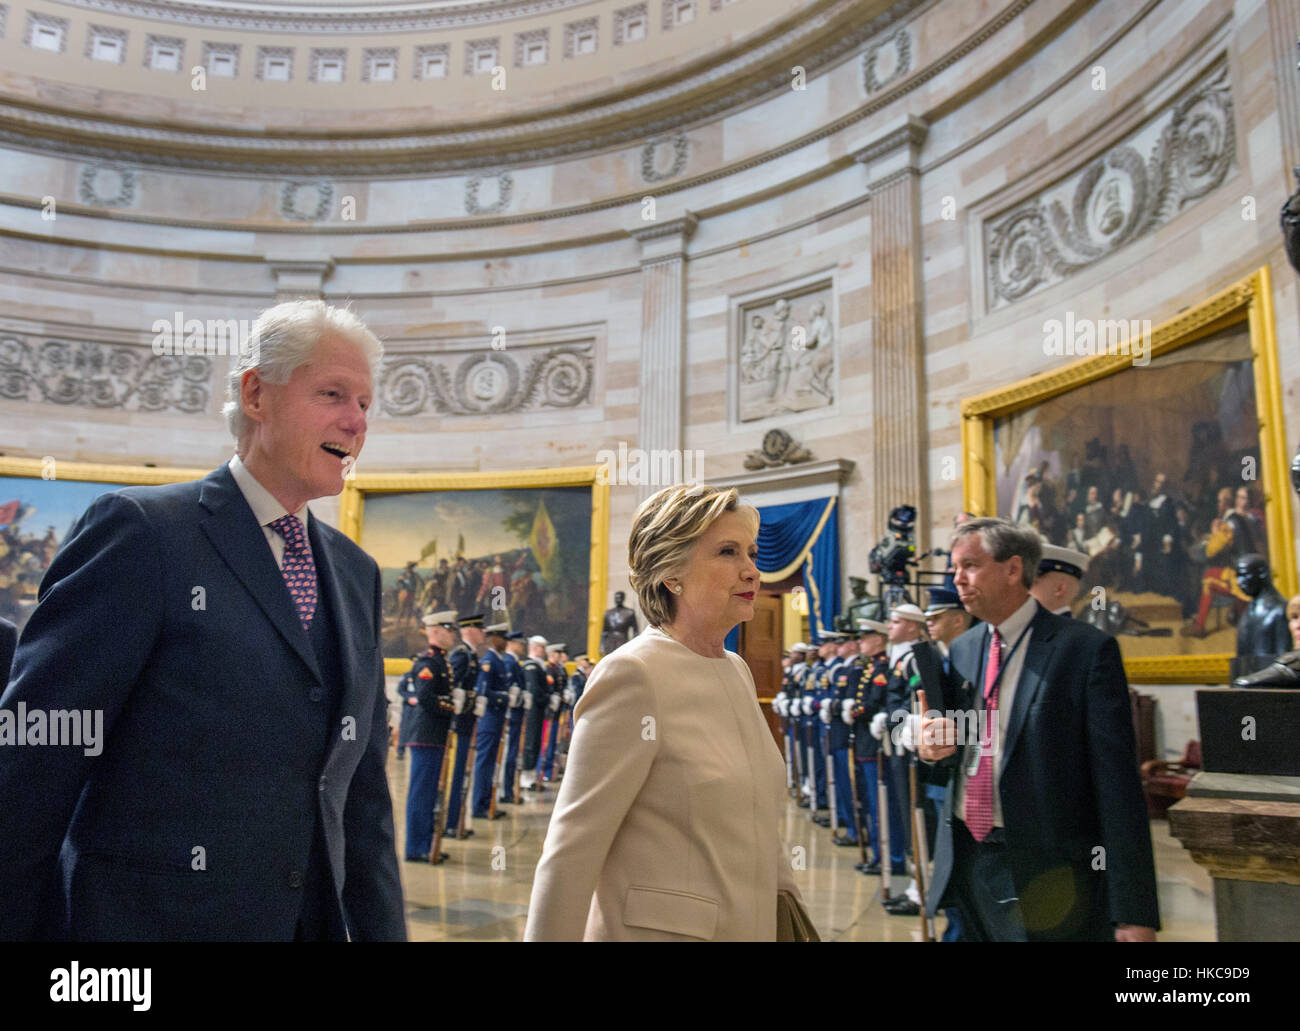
x: 1247, y: 302
x: 53, y: 502
x: 358, y: 487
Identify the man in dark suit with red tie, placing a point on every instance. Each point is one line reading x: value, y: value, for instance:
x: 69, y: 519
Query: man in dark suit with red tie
x: 1044, y: 833
x: 230, y: 640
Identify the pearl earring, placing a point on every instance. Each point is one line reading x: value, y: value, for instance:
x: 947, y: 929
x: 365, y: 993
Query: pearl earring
x: 677, y: 589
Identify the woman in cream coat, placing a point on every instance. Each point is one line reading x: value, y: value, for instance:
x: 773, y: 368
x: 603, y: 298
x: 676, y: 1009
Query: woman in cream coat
x: 666, y: 824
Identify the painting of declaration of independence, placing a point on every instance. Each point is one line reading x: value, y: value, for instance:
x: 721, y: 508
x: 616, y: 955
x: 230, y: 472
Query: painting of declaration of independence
x: 1154, y: 473
x: 35, y: 516
x: 786, y: 353
x: 519, y: 556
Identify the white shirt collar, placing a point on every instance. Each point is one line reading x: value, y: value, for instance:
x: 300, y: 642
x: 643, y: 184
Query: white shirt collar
x: 1013, y: 626
x: 897, y: 651
x: 266, y: 509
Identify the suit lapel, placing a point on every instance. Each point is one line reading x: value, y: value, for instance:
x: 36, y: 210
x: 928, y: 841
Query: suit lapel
x: 1038, y: 651
x: 233, y: 531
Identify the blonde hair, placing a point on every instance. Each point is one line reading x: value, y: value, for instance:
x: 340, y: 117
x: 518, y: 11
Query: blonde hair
x: 664, y: 530
x: 1293, y: 609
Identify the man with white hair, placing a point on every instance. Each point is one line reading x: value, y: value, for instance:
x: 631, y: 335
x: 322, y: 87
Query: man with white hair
x: 230, y: 640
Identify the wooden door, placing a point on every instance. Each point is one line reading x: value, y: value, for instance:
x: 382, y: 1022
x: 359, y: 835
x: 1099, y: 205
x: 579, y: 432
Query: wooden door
x: 760, y: 647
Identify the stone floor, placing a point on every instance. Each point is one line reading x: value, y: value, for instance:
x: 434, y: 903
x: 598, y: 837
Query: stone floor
x: 481, y: 892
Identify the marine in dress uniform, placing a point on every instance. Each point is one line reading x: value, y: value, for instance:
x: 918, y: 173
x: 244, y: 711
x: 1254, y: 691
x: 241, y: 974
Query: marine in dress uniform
x: 430, y: 724
x: 578, y: 682
x: 494, y: 680
x: 515, y: 724
x: 1059, y: 577
x: 464, y: 671
x: 844, y: 678
x: 869, y: 699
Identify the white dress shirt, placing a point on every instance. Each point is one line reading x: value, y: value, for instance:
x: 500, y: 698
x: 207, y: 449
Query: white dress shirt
x: 1012, y: 666
x: 266, y: 509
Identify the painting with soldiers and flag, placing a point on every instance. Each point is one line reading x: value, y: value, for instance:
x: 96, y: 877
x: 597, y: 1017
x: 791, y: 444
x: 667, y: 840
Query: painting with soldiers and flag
x: 520, y: 556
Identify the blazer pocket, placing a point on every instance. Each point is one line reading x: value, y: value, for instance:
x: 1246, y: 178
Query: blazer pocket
x: 676, y: 912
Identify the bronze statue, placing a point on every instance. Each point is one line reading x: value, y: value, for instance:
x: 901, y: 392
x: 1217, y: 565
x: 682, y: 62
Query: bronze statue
x: 619, y: 626
x: 1262, y: 632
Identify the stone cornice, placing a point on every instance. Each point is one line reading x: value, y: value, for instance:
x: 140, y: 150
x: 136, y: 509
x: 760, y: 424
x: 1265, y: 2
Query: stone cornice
x: 756, y: 67
x: 683, y: 227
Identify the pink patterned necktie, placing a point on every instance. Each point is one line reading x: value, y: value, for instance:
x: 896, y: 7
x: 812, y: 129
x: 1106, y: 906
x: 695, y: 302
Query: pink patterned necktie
x: 298, y: 567
x: 979, y: 791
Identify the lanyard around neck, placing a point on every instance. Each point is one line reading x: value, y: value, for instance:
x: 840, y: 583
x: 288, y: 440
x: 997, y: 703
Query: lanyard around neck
x: 988, y: 693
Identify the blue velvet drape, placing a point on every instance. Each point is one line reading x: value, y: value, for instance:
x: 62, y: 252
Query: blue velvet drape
x: 783, y: 533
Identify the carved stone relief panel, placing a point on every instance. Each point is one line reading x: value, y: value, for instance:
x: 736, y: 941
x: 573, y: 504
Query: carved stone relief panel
x: 1176, y: 157
x: 101, y: 375
x: 784, y: 341
x: 485, y: 379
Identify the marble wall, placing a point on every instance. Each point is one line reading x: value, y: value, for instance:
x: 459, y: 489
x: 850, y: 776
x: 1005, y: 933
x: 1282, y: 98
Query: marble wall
x: 887, y: 188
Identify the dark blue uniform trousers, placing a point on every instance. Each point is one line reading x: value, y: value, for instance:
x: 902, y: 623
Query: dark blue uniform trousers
x: 489, y: 737
x: 812, y: 740
x: 516, y: 726
x: 869, y: 796
x: 458, y: 779
x: 422, y: 798
x: 843, y: 793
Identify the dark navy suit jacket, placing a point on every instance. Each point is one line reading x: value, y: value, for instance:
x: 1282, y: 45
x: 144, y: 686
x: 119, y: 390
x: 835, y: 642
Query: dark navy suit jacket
x: 224, y: 744
x: 8, y: 642
x: 1077, y: 837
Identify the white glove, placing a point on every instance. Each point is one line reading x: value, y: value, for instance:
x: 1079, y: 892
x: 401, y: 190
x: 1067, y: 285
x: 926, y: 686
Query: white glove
x: 781, y: 704
x: 480, y: 705
x: 554, y: 704
x: 846, y: 711
x: 514, y: 693
x: 569, y: 696
x: 457, y: 700
x: 908, y: 732
x: 807, y: 705
x: 878, y: 726
x: 824, y: 711
x: 528, y: 700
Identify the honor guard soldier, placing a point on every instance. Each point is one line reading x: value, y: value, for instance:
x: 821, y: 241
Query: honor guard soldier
x: 1060, y: 575
x: 515, y: 644
x: 536, y: 696
x: 406, y: 698
x: 556, y: 681
x: 493, y: 686
x: 826, y: 717
x: 786, y: 705
x: 844, y: 682
x: 463, y: 660
x: 579, y: 679
x: 946, y: 621
x: 917, y: 664
x: 869, y: 699
x: 812, y: 696
x: 427, y: 737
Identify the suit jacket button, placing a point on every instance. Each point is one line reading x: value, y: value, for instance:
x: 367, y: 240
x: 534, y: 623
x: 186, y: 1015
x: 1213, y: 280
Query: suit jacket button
x: 295, y: 878
x: 323, y: 782
x: 316, y: 694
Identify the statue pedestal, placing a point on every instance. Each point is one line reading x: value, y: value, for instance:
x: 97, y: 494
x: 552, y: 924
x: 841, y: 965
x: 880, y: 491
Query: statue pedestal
x: 1245, y: 829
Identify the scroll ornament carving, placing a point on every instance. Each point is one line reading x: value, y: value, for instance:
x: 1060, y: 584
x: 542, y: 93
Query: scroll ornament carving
x: 1116, y: 199
x: 480, y: 384
x: 98, y: 375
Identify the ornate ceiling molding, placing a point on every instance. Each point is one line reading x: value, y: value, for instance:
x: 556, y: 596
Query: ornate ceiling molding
x: 755, y: 68
x: 355, y: 17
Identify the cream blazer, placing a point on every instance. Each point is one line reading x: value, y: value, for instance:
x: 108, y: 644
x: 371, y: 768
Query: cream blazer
x: 666, y: 824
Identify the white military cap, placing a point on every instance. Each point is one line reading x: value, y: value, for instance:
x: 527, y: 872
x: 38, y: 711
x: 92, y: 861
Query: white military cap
x: 1063, y: 560
x: 537, y: 639
x: 446, y: 618
x: 908, y: 611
